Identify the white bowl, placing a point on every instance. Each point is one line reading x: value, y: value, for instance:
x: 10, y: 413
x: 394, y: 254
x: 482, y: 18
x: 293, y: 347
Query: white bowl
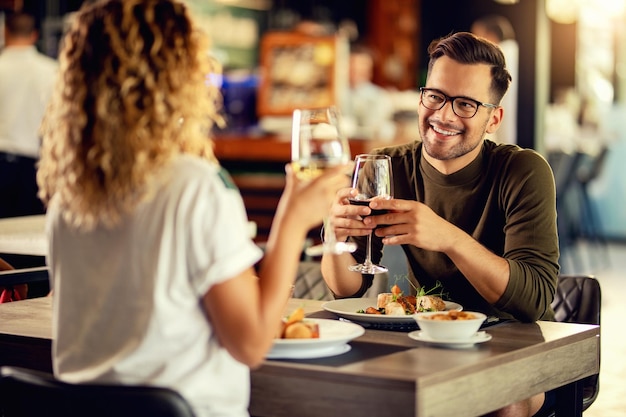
x: 447, y: 328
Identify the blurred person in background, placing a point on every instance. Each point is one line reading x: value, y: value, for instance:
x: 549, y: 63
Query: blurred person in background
x: 26, y: 82
x: 151, y: 262
x: 498, y: 29
x: 367, y: 109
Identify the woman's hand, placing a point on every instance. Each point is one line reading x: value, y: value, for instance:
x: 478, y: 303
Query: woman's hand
x: 311, y: 198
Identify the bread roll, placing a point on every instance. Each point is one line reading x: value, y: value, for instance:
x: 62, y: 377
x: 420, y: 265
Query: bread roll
x: 302, y: 330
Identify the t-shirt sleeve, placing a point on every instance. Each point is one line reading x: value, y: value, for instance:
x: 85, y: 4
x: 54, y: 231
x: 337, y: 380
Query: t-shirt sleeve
x: 220, y: 246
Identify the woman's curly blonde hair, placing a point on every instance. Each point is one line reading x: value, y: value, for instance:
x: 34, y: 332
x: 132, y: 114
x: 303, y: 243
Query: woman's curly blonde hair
x: 134, y: 90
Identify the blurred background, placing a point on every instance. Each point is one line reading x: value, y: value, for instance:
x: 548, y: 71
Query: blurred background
x: 568, y: 58
x: 567, y: 101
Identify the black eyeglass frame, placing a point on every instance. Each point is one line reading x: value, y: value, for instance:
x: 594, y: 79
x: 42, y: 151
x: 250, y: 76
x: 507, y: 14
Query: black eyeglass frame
x: 451, y: 100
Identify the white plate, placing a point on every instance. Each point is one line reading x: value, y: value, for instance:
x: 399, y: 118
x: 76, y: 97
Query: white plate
x: 348, y: 307
x: 334, y: 335
x: 479, y: 337
x: 310, y: 353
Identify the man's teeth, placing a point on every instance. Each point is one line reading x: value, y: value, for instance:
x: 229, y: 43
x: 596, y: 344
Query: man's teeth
x: 443, y: 132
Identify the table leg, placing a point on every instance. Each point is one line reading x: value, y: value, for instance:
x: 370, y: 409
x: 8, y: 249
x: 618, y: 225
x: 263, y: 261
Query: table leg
x: 569, y: 400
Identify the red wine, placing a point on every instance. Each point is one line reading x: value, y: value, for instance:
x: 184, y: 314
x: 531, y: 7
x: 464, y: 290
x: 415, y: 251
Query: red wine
x: 375, y: 212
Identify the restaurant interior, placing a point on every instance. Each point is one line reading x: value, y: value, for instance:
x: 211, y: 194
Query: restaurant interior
x: 569, y: 104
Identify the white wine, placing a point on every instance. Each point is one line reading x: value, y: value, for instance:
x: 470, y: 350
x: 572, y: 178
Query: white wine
x: 311, y: 170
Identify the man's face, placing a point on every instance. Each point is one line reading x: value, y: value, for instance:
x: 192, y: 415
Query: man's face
x: 449, y: 140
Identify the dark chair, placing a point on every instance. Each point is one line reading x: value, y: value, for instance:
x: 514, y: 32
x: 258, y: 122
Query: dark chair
x: 12, y: 282
x: 578, y: 300
x: 28, y: 393
x: 23, y: 276
x: 578, y: 219
x: 309, y: 282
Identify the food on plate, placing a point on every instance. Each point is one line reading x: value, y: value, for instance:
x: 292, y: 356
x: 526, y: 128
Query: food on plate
x: 301, y: 330
x: 452, y: 315
x: 394, y: 303
x: 294, y: 326
x: 429, y: 303
x: 372, y: 310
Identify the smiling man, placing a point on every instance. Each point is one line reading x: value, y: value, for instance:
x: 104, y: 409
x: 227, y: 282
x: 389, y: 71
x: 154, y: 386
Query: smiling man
x: 477, y: 216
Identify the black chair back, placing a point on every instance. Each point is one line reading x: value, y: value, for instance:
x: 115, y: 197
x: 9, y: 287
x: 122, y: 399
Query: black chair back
x: 23, y: 276
x: 28, y: 393
x: 309, y: 282
x: 578, y: 300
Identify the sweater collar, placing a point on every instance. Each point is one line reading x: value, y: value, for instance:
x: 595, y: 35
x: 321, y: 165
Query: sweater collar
x: 463, y: 176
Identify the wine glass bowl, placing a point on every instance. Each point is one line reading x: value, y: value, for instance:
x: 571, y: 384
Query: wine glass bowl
x: 373, y: 180
x: 317, y: 143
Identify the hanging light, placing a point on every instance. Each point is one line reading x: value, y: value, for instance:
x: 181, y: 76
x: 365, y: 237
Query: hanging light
x: 507, y: 1
x: 563, y: 11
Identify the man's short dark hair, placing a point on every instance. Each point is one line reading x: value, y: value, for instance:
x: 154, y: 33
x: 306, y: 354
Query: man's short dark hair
x: 467, y: 48
x: 20, y: 24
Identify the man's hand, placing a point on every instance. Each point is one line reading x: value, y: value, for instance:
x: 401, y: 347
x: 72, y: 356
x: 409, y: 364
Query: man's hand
x: 347, y: 219
x: 414, y: 223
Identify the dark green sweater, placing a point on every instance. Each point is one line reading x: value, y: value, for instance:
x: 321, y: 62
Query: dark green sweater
x: 506, y: 200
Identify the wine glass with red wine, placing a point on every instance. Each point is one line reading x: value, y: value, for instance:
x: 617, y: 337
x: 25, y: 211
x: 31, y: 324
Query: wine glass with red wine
x: 317, y: 143
x: 373, y: 180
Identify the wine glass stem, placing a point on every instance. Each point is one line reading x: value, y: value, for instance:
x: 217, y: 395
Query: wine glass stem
x: 329, y: 232
x: 368, y: 251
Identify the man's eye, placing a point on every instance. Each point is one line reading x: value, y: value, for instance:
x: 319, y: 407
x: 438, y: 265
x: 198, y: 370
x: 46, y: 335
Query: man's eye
x: 436, y: 98
x: 465, y: 104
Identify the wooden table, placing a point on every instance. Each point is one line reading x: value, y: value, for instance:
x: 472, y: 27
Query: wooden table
x: 23, y: 235
x: 385, y: 373
x: 27, y: 235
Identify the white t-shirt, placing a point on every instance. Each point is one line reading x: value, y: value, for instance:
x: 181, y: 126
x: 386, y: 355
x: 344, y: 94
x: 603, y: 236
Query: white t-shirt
x: 26, y: 81
x: 127, y: 301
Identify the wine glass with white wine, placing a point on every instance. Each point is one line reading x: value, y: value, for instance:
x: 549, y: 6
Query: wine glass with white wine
x: 316, y: 144
x: 373, y: 180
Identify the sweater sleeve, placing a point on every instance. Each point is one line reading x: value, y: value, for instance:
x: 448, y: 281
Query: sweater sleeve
x: 528, y: 197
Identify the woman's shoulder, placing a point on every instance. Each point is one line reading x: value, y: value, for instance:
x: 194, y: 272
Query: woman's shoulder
x: 189, y: 171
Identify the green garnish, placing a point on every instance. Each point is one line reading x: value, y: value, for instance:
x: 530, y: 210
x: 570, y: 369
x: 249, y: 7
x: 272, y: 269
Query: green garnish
x: 422, y: 292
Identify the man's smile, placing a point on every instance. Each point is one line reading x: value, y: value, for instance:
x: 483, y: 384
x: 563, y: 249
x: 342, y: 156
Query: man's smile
x: 445, y: 132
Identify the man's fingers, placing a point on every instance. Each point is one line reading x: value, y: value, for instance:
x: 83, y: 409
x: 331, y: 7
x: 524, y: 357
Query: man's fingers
x: 391, y: 204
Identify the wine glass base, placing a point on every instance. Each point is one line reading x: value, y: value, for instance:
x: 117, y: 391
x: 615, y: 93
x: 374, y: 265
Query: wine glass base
x: 336, y: 248
x: 368, y: 269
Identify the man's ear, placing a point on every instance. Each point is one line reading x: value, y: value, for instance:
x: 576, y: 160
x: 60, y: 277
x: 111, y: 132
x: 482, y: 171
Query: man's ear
x: 495, y: 120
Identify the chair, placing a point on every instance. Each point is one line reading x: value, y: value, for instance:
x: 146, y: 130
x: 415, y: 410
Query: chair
x: 29, y: 393
x: 17, y: 284
x: 578, y: 300
x: 23, y: 276
x: 577, y: 216
x: 309, y: 282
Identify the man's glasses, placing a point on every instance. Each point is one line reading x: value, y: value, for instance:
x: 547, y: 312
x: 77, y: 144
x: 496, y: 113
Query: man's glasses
x: 461, y: 106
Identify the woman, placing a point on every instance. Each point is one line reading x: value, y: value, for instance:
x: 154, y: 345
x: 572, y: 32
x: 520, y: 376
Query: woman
x: 152, y: 269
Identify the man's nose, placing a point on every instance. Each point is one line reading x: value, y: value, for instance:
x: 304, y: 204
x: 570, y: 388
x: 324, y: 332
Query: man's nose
x: 447, y: 112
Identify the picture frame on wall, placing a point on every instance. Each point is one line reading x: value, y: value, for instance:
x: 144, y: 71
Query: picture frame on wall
x: 301, y: 71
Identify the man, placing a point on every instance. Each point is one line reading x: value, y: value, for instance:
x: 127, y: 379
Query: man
x: 26, y: 80
x: 478, y: 217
